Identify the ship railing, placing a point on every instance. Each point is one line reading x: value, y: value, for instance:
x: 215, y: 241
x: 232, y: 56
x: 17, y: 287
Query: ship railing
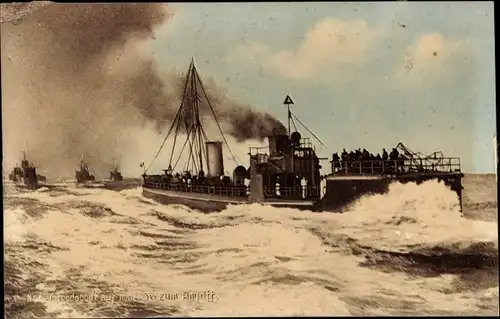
x: 221, y: 190
x: 292, y: 192
x: 254, y: 150
x: 397, y: 167
x: 305, y: 142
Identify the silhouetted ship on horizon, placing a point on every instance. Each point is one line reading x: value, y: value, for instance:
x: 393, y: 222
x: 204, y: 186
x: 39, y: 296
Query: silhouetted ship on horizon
x: 116, y: 181
x: 115, y: 175
x: 284, y: 174
x: 83, y: 174
x: 26, y: 175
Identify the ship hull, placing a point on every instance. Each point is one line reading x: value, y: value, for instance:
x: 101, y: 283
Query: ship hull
x: 111, y: 185
x: 121, y: 185
x: 91, y: 184
x: 208, y: 203
x: 342, y: 191
x: 34, y: 186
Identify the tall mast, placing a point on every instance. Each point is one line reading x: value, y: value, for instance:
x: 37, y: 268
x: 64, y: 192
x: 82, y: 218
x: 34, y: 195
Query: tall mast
x: 287, y: 102
x: 197, y: 115
x: 188, y: 117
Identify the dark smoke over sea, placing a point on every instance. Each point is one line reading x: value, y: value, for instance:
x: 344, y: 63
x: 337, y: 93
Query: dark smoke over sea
x: 74, y: 82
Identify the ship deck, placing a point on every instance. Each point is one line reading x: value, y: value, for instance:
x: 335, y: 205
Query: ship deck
x: 429, y: 168
x: 406, y: 175
x: 195, y: 196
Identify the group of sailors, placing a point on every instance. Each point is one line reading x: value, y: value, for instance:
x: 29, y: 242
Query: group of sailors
x: 364, y: 161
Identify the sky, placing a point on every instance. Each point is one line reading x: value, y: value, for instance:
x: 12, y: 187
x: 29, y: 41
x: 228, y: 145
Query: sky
x: 362, y: 75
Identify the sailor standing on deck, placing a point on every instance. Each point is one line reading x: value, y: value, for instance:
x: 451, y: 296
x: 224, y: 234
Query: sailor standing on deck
x: 336, y: 161
x: 385, y: 156
x: 343, y: 157
x: 393, y: 157
x: 365, y: 155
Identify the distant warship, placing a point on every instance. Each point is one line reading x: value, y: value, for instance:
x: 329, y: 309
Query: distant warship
x: 117, y: 182
x: 83, y: 175
x: 284, y: 174
x: 115, y: 175
x: 26, y: 175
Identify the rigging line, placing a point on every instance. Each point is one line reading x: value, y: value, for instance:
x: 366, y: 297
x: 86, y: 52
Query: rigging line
x: 191, y: 146
x: 182, y: 150
x: 190, y: 155
x: 295, y: 126
x: 198, y: 123
x: 175, y: 141
x: 189, y: 129
x: 215, y: 116
x: 188, y: 123
x: 166, y: 137
x: 298, y: 120
x: 181, y: 108
x: 191, y: 165
x: 186, y: 167
x: 206, y: 140
x: 188, y: 111
x: 198, y: 146
x: 196, y: 150
x: 194, y: 119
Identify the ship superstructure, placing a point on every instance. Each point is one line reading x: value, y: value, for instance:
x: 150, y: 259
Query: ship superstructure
x: 115, y: 174
x: 83, y: 174
x: 116, y: 181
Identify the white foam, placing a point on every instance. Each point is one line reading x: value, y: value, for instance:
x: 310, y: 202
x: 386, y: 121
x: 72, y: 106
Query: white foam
x: 259, y: 260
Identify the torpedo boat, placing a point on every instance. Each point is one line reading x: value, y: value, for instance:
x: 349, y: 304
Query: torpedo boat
x: 286, y: 173
x: 26, y: 176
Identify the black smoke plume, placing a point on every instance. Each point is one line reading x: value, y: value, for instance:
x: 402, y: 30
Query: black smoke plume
x: 73, y: 82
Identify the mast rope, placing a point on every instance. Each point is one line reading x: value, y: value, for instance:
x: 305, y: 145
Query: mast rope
x: 175, y: 140
x: 294, y: 126
x: 298, y: 120
x: 182, y: 150
x: 196, y: 144
x: 187, y: 127
x: 184, y: 94
x: 164, y: 140
x: 174, y: 122
x: 215, y: 117
x: 206, y: 140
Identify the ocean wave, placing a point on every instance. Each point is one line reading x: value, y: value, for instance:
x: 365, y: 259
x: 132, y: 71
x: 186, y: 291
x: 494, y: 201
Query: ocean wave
x: 405, y: 252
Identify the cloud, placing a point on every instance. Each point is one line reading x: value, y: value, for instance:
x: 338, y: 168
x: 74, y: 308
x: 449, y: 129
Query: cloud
x: 429, y: 57
x: 330, y: 44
